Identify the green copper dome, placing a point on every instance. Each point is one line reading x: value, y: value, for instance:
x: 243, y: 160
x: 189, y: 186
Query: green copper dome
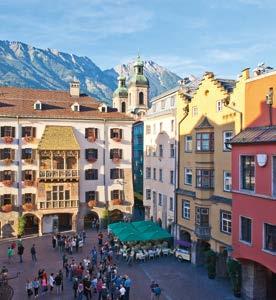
x: 121, y: 91
x: 139, y: 62
x: 139, y: 79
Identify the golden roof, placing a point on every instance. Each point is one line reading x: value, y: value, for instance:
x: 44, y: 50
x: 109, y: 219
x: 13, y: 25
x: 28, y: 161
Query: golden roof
x: 58, y: 138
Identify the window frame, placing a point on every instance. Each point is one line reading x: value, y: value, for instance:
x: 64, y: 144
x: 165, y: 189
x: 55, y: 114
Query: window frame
x: 211, y: 179
x: 186, y: 210
x: 222, y: 219
x: 219, y: 106
x: 160, y: 199
x: 265, y: 249
x: 148, y: 193
x: 171, y: 204
x: 224, y: 179
x: 200, y: 141
x: 92, y: 175
x: 185, y: 173
x: 240, y: 230
x: 242, y: 177
x: 188, y: 143
x: 225, y: 139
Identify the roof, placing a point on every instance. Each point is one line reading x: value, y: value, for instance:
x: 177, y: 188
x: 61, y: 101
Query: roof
x: 204, y: 124
x: 251, y: 135
x: 19, y: 102
x: 51, y: 139
x: 139, y: 79
x: 121, y: 91
x: 228, y: 84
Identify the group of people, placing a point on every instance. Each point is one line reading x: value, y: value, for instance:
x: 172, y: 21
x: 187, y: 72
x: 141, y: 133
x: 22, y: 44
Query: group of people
x: 20, y: 251
x: 68, y: 243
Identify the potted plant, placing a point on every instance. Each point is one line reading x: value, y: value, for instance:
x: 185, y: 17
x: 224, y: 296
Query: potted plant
x: 7, y: 161
x: 28, y: 206
x: 21, y: 225
x: 92, y: 159
x: 91, y: 139
x: 105, y: 218
x: 28, y: 182
x: 116, y: 139
x: 211, y: 258
x: 6, y: 207
x: 116, y: 201
x: 92, y: 203
x: 234, y: 271
x: 8, y: 139
x: 28, y: 139
x: 28, y: 160
x: 116, y: 159
x: 7, y: 182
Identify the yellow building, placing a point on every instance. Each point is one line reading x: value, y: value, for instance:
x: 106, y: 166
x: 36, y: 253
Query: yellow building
x: 206, y: 122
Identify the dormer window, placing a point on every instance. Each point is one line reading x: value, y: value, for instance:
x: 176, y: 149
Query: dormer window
x: 38, y: 105
x: 103, y: 108
x: 75, y: 107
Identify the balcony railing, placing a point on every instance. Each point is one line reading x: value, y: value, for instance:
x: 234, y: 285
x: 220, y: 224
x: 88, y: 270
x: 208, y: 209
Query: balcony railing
x: 203, y: 232
x: 58, y: 204
x: 59, y: 174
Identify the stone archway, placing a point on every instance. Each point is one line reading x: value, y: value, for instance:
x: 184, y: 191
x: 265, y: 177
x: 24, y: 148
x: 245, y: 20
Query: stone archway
x: 89, y: 218
x: 115, y: 216
x: 185, y: 236
x: 31, y: 225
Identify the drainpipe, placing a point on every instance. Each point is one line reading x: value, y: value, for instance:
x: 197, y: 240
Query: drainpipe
x: 105, y: 142
x: 177, y: 163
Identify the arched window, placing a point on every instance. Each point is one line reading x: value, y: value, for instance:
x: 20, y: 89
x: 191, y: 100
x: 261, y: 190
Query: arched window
x: 123, y: 107
x: 141, y: 98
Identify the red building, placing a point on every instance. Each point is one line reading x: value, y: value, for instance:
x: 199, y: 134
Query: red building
x: 254, y: 209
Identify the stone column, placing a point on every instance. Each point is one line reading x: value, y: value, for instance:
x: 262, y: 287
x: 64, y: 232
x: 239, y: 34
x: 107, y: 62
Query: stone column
x: 74, y: 222
x: 40, y: 225
x: 253, y: 281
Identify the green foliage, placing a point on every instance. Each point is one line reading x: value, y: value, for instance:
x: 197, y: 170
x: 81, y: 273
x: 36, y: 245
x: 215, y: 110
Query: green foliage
x: 211, y: 259
x: 21, y: 225
x: 234, y: 271
x: 105, y: 218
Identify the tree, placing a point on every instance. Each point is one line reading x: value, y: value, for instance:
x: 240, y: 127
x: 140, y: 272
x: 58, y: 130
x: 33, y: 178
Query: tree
x: 21, y: 225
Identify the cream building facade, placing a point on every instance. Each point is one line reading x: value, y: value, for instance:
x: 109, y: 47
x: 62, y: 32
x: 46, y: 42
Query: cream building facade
x: 65, y: 160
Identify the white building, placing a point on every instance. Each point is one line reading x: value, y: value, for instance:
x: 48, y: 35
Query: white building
x: 160, y: 134
x: 64, y: 159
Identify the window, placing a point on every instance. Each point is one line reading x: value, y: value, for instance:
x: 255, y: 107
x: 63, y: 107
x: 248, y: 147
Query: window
x: 160, y: 175
x: 141, y: 98
x: 194, y: 111
x: 161, y: 150
x: 226, y: 222
x: 186, y: 209
x: 154, y: 197
x: 7, y: 199
x: 27, y: 153
x: 172, y: 125
x: 172, y: 177
x: 160, y: 199
x: 154, y: 128
x: 202, y: 216
x: 248, y: 172
x: 148, y: 129
x: 148, y: 194
x: 91, y: 196
x: 116, y: 133
x: 116, y: 153
x: 163, y: 104
x: 188, y: 176
x: 161, y: 127
x: 91, y: 174
x: 6, y: 175
x: 205, y: 178
x: 270, y: 237
x: 227, y: 136
x: 205, y: 141
x: 172, y: 100
x: 7, y: 153
x: 28, y: 131
x: 172, y: 150
x: 148, y: 150
x: 171, y: 204
x: 28, y: 175
x: 58, y: 193
x: 116, y: 173
x: 123, y: 108
x: 28, y: 198
x: 117, y: 195
x: 154, y: 173
x: 148, y: 173
x: 7, y: 131
x: 227, y: 181
x: 245, y: 230
x: 188, y: 143
x: 91, y: 133
x: 91, y: 154
x: 37, y: 105
x: 219, y: 106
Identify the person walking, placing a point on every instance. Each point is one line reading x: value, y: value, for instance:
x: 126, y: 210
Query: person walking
x: 33, y: 253
x: 10, y: 254
x: 58, y: 283
x: 75, y: 287
x: 20, y: 251
x: 127, y: 286
x: 157, y: 291
x: 51, y: 282
x: 54, y: 241
x: 29, y: 288
x: 152, y: 287
x: 36, y: 286
x: 80, y: 291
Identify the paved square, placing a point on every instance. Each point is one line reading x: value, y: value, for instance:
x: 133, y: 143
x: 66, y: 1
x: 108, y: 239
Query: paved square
x: 179, y: 281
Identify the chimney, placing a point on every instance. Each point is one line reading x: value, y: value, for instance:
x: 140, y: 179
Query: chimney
x: 75, y: 88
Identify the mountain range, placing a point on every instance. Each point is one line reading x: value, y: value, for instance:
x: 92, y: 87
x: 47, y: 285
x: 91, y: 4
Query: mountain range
x: 23, y: 65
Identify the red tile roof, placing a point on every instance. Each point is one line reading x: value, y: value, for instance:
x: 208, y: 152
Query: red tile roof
x: 55, y: 105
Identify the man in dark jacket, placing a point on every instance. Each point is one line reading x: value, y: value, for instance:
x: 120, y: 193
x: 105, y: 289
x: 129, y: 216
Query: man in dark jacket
x: 33, y: 253
x: 20, y: 251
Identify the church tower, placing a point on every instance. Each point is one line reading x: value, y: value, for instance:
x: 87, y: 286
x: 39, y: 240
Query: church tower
x: 120, y: 96
x: 138, y: 90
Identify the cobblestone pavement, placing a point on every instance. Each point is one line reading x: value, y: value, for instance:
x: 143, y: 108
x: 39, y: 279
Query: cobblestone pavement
x: 179, y: 281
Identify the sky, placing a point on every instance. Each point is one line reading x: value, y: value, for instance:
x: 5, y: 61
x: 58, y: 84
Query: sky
x: 186, y: 36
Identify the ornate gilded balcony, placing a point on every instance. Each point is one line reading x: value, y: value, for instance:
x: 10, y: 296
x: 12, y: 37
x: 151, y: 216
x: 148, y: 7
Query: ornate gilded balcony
x: 203, y: 232
x: 67, y: 174
x: 56, y: 204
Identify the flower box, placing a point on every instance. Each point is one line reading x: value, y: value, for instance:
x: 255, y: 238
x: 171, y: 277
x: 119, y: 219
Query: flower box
x: 92, y: 159
x: 28, y: 160
x: 8, y: 139
x: 92, y: 203
x: 7, y: 182
x: 91, y: 139
x: 7, y: 207
x: 116, y: 160
x: 28, y: 139
x: 28, y: 206
x: 7, y: 161
x: 116, y: 139
x: 28, y: 183
x: 116, y: 201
